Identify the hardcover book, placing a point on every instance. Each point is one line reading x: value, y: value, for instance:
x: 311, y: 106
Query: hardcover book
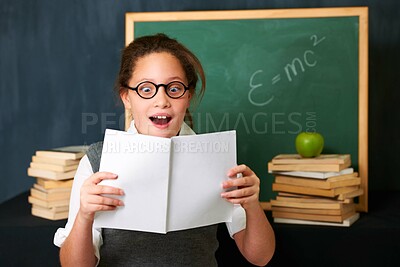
x: 317, y: 175
x: 66, y: 152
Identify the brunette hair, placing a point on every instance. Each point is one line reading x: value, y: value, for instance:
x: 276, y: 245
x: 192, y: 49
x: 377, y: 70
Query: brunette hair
x: 158, y: 43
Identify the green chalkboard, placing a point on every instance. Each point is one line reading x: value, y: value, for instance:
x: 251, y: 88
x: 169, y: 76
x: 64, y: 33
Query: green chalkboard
x: 270, y: 78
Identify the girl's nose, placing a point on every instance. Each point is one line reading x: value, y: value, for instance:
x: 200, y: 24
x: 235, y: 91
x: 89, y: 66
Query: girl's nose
x: 161, y: 99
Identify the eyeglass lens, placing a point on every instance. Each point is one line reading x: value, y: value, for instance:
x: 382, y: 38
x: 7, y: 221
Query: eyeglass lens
x: 149, y: 90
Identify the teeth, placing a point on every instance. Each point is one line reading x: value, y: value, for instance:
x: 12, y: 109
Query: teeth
x: 160, y: 117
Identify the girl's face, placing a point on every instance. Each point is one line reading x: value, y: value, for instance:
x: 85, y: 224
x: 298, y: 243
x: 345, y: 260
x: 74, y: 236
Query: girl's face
x: 161, y: 115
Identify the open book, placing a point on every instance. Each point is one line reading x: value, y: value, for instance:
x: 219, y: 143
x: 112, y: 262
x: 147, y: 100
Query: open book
x: 170, y: 183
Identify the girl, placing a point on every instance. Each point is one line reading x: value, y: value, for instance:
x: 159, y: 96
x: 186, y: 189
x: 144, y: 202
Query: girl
x: 156, y: 83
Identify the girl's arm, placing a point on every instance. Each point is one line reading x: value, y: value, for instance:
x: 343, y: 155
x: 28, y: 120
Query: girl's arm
x: 257, y: 241
x: 77, y: 249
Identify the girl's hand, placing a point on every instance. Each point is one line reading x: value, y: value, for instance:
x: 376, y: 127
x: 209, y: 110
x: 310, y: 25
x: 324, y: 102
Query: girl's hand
x: 92, y: 199
x: 248, y: 187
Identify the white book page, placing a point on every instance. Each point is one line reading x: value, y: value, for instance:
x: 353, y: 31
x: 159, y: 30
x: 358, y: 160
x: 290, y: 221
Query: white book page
x: 142, y: 165
x: 199, y: 166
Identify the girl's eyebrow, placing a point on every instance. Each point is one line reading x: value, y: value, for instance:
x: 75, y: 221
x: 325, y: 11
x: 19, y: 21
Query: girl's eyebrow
x: 175, y: 78
x: 169, y: 79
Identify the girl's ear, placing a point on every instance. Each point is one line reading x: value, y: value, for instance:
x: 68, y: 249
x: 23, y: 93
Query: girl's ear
x: 125, y: 99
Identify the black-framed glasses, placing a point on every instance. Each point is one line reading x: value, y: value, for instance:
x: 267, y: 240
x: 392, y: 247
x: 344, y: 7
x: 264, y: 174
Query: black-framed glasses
x: 147, y: 90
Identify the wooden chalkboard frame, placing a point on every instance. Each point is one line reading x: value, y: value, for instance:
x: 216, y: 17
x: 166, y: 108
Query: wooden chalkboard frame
x: 361, y: 12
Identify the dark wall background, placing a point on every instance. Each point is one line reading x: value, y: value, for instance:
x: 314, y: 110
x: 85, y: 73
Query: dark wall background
x: 59, y: 59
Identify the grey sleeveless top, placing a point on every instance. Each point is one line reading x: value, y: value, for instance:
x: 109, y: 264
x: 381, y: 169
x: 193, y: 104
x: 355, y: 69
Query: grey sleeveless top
x: 192, y: 247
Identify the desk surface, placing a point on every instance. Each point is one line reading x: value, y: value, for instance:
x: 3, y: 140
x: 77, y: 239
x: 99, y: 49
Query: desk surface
x: 374, y: 240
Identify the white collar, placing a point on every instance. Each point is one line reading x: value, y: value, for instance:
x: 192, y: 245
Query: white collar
x: 185, y: 129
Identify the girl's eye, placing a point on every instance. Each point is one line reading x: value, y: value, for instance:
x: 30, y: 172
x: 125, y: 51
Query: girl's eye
x: 145, y: 90
x: 174, y: 89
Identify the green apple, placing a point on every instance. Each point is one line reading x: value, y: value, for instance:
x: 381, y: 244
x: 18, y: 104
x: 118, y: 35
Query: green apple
x: 309, y: 144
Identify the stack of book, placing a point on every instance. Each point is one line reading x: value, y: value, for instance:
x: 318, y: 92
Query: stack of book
x: 318, y: 190
x: 54, y: 171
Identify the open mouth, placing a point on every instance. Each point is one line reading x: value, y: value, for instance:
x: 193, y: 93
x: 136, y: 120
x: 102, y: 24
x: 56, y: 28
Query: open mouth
x: 160, y: 119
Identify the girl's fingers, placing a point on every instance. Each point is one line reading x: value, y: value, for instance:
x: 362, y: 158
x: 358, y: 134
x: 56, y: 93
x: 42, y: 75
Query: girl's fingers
x: 104, y: 189
x: 91, y: 185
x: 246, y: 181
x: 243, y: 197
x: 245, y: 189
x: 93, y: 203
x: 104, y: 201
x: 99, y: 176
x: 239, y: 193
x: 95, y: 197
x: 243, y: 169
